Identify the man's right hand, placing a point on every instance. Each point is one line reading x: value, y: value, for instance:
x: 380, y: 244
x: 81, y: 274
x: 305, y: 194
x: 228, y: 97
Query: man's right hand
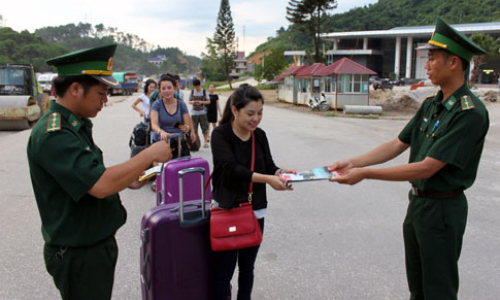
x: 341, y: 166
x: 161, y: 151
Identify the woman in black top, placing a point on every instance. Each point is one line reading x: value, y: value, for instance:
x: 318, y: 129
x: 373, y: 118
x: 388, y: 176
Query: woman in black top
x: 212, y: 108
x: 232, y: 153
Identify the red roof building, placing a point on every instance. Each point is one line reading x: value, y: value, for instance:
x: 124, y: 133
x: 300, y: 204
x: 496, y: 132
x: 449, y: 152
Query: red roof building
x: 344, y: 66
x: 310, y: 70
x: 344, y: 82
x: 291, y: 71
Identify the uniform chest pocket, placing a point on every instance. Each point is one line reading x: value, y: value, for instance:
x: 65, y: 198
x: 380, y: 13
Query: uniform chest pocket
x: 435, y: 136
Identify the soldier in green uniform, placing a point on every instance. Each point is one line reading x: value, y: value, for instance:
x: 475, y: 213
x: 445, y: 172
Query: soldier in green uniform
x: 77, y: 196
x: 446, y: 138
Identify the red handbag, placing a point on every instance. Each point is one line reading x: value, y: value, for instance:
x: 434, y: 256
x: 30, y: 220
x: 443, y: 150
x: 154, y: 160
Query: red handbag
x: 236, y: 228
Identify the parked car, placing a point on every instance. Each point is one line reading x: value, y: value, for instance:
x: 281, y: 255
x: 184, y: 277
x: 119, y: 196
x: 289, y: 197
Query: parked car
x: 382, y: 84
x: 372, y: 79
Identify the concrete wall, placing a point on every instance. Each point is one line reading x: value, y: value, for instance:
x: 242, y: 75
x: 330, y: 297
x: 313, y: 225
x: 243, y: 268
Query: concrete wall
x: 351, y: 99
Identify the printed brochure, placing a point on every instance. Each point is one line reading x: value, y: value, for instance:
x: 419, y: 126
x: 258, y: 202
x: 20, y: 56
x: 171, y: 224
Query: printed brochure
x: 321, y: 173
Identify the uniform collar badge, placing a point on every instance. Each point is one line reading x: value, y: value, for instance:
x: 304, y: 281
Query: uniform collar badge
x: 74, y: 122
x: 448, y: 104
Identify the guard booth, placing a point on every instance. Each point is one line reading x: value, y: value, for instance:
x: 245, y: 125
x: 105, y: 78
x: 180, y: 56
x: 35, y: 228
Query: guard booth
x: 345, y: 82
x: 288, y: 87
x: 308, y: 83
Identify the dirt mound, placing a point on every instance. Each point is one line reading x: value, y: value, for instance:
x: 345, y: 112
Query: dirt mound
x: 488, y: 96
x: 380, y: 96
x: 399, y: 101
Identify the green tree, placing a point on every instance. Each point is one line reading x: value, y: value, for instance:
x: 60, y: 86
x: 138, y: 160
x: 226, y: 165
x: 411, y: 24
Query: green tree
x: 492, y: 48
x: 211, y: 63
x: 310, y: 15
x: 224, y: 38
x: 28, y: 48
x: 271, y: 66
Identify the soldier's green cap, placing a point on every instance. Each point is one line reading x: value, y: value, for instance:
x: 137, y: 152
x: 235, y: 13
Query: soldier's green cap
x: 447, y: 38
x: 96, y: 62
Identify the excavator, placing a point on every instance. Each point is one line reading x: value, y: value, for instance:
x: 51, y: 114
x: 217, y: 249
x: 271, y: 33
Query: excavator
x: 22, y: 101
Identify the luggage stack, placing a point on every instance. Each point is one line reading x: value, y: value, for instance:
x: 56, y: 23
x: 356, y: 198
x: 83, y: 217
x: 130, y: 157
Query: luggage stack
x: 176, y: 257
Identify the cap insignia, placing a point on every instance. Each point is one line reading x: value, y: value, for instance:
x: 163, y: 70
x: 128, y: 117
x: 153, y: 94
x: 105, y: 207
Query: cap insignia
x: 110, y: 64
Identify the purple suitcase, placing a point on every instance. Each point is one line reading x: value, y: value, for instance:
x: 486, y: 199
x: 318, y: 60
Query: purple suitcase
x: 176, y: 256
x: 167, y: 183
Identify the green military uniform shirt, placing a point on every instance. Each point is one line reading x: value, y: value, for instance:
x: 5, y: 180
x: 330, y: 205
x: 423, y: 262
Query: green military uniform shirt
x: 64, y: 165
x: 452, y: 131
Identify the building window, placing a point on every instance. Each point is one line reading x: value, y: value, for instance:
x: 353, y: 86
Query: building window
x: 356, y: 83
x: 353, y: 83
x: 316, y: 82
x: 364, y: 84
x: 288, y: 82
x: 345, y: 83
x: 328, y: 84
x: 325, y: 84
x: 304, y: 86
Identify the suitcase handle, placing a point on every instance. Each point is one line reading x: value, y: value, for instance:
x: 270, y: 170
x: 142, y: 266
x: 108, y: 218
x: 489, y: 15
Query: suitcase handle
x: 193, y: 219
x: 179, y: 137
x: 161, y: 193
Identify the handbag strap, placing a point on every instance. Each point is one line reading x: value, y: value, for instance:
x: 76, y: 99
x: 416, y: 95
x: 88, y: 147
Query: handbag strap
x: 252, y: 167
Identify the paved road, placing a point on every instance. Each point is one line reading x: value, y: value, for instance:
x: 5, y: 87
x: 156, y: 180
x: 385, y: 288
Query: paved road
x: 322, y: 241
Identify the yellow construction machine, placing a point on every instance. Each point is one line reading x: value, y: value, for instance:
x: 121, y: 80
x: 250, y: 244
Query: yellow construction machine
x: 21, y: 99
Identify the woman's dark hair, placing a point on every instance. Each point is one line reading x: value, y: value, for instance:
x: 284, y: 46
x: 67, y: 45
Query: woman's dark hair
x: 196, y: 82
x: 239, y: 99
x: 167, y: 77
x: 61, y: 84
x: 146, y: 85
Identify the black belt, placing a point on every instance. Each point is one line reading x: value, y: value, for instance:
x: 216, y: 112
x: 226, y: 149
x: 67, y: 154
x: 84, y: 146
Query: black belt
x: 433, y: 194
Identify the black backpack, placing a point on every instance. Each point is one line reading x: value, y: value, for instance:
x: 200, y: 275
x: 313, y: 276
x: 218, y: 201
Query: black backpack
x: 140, y: 135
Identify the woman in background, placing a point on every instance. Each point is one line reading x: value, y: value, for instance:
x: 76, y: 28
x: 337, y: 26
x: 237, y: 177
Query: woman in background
x: 213, y: 108
x: 170, y: 115
x: 149, y: 88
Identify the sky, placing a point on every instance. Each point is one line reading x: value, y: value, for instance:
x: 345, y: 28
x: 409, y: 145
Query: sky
x: 169, y: 23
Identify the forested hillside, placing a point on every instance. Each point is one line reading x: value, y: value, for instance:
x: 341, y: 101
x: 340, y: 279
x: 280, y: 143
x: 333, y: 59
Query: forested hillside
x: 132, y: 53
x: 387, y: 14
x: 25, y: 47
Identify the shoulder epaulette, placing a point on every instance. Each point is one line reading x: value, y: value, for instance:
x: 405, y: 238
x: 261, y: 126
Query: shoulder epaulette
x: 54, y: 122
x: 466, y: 102
x: 430, y: 97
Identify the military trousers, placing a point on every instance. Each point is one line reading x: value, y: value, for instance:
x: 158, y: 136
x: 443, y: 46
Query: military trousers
x: 433, y: 233
x: 82, y: 273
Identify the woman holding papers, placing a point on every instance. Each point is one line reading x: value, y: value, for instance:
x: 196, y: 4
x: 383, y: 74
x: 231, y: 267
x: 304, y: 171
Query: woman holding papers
x: 231, y: 144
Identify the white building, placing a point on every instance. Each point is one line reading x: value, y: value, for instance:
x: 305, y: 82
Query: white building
x: 393, y: 52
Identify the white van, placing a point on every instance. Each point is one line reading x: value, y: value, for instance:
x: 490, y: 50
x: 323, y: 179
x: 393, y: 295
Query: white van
x: 45, y: 81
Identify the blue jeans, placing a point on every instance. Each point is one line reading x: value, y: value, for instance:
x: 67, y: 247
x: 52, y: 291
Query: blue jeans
x: 225, y: 264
